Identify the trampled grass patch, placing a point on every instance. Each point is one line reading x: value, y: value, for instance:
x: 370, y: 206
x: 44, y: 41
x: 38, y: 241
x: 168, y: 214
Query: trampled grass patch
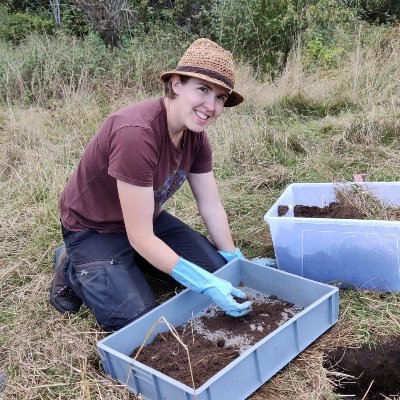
x: 304, y: 106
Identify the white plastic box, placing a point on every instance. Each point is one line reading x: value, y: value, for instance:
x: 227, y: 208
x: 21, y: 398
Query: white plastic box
x: 348, y: 252
x: 244, y: 375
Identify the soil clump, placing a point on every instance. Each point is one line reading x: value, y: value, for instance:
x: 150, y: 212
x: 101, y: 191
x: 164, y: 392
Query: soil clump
x: 282, y: 210
x: 214, y: 339
x: 333, y: 210
x: 380, y: 365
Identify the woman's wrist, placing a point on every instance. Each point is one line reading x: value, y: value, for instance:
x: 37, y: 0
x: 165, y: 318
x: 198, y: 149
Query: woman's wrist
x: 230, y: 255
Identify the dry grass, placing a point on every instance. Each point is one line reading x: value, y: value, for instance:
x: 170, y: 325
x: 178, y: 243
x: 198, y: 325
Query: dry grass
x: 362, y: 199
x: 307, y: 126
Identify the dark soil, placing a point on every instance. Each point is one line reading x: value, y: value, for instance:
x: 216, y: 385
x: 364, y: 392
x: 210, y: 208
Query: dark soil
x: 333, y: 210
x: 336, y: 210
x: 380, y: 365
x: 282, y: 210
x: 214, y: 340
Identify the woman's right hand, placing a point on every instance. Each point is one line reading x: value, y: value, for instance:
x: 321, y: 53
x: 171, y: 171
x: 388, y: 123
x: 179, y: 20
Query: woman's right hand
x: 219, y: 290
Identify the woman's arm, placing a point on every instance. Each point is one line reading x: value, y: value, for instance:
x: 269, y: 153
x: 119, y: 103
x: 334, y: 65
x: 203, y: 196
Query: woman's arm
x: 137, y: 205
x: 211, y: 210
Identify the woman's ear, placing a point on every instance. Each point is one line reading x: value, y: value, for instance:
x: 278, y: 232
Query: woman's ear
x: 175, y: 84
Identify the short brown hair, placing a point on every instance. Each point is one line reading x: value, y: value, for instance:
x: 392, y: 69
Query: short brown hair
x: 169, y: 92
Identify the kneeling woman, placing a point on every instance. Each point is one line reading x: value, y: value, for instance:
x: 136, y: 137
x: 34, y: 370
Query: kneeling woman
x: 113, y: 225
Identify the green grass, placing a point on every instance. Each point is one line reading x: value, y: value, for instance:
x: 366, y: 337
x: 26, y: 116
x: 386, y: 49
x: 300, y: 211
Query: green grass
x: 301, y: 106
x: 370, y: 313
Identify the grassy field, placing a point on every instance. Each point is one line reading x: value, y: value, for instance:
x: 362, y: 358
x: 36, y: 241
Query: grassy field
x: 310, y: 125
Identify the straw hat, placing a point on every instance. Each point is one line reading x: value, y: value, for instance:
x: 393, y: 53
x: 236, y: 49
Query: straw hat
x: 206, y: 60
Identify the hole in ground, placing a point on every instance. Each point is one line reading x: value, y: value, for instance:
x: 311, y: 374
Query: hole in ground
x: 380, y: 365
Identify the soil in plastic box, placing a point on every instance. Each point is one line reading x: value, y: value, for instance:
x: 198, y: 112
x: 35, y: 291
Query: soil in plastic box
x: 333, y: 210
x: 215, y: 339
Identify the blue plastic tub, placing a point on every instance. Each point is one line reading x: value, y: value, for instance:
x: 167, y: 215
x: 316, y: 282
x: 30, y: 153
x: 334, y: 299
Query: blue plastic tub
x: 320, y: 303
x: 348, y: 252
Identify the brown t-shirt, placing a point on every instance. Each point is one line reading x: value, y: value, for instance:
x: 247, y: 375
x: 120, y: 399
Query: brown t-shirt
x: 134, y: 146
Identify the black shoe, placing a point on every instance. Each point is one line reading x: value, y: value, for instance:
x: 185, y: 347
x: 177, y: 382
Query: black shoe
x: 62, y: 297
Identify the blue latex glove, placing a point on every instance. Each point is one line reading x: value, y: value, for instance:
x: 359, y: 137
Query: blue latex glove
x: 220, y: 291
x: 232, y: 255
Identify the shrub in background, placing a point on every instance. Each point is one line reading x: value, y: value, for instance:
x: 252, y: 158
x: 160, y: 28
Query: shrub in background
x: 16, y: 26
x: 378, y: 11
x: 192, y: 17
x: 109, y: 18
x: 261, y: 33
x: 330, y: 26
x: 73, y: 20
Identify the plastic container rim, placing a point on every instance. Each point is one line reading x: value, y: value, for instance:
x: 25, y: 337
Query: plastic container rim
x: 337, y: 221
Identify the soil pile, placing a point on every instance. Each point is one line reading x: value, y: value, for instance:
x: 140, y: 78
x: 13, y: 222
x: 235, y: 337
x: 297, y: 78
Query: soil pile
x: 333, y: 210
x: 379, y: 366
x: 215, y: 339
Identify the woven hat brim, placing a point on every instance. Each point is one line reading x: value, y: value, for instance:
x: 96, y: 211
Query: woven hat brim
x: 234, y: 98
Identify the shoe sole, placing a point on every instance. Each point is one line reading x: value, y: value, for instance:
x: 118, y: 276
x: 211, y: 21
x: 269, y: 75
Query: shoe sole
x: 60, y: 309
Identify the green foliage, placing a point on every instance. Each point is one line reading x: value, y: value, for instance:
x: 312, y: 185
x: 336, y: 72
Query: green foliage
x: 73, y: 21
x: 191, y: 17
x: 28, y: 5
x: 324, y: 17
x: 16, y: 26
x: 328, y: 26
x: 378, y: 11
x: 321, y: 53
x: 260, y: 31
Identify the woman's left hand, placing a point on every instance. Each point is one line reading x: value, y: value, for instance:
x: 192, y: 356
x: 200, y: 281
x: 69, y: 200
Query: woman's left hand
x: 232, y: 255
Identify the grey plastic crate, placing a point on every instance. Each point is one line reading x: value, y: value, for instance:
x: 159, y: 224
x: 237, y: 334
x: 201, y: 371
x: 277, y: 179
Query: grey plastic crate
x: 244, y: 375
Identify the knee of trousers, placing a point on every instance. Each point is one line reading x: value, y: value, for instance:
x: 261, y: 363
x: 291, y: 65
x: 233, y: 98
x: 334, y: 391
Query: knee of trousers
x: 115, y: 291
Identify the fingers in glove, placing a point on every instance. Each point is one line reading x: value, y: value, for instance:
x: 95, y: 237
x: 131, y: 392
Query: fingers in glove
x: 240, y: 309
x: 235, y: 313
x: 238, y: 293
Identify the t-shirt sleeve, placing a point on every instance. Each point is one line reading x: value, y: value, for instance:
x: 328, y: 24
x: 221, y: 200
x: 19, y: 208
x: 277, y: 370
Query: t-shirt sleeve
x: 202, y: 161
x: 133, y: 155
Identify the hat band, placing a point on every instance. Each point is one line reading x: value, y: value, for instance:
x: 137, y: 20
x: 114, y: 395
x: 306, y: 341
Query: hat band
x: 207, y: 72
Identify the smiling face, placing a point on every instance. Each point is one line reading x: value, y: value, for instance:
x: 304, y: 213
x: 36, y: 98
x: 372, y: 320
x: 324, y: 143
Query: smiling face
x: 198, y: 103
